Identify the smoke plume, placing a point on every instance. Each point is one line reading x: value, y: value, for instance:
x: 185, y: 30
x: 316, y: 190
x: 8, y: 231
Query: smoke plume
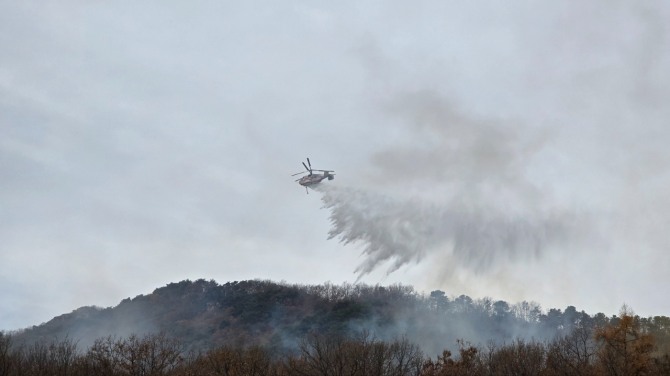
x: 454, y: 183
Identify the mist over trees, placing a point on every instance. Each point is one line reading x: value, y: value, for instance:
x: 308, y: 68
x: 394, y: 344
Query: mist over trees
x: 263, y: 327
x: 618, y: 348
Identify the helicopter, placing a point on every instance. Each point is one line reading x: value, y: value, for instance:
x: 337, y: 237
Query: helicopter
x: 312, y: 178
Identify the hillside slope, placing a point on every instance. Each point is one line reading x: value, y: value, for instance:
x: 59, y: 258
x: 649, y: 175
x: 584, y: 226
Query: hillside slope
x: 204, y: 315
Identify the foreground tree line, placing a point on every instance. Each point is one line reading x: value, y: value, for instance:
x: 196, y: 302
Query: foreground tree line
x: 622, y: 347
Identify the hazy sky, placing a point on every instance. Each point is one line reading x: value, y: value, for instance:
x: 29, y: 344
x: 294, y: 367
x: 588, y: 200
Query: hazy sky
x: 143, y: 143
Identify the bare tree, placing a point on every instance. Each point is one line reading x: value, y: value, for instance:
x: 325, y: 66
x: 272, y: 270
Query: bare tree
x: 573, y: 354
x: 6, y: 358
x: 364, y: 356
x: 519, y: 358
x: 152, y: 355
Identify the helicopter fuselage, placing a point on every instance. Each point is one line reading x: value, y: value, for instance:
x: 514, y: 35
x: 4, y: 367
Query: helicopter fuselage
x: 315, y: 178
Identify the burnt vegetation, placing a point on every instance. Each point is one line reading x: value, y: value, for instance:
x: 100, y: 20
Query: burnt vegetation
x: 266, y: 328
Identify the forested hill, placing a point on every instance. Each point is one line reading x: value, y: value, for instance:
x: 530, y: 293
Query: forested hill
x: 204, y: 315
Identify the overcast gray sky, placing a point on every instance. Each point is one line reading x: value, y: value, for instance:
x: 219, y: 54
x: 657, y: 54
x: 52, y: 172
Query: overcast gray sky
x: 143, y: 143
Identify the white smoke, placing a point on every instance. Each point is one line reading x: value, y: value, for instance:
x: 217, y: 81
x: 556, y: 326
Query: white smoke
x: 455, y: 183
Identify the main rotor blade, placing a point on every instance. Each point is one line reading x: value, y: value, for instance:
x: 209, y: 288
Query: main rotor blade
x: 298, y: 173
x: 307, y: 168
x: 309, y: 163
x: 324, y: 170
